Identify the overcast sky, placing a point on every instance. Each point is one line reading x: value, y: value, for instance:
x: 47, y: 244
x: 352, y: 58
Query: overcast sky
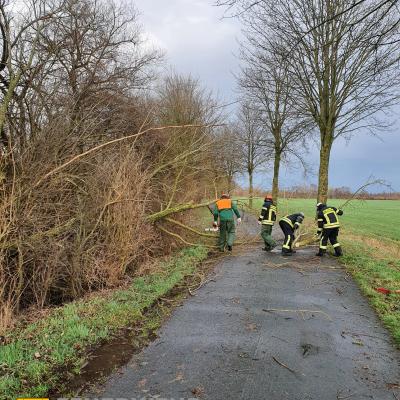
x: 198, y: 41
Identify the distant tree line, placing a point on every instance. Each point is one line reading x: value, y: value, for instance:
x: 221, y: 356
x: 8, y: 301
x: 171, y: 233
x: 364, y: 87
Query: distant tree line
x: 310, y: 192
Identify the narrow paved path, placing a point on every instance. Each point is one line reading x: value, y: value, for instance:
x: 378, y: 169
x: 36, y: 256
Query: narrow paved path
x: 227, y: 343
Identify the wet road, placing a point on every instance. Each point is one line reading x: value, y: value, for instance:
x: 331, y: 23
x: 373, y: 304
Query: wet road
x: 268, y: 328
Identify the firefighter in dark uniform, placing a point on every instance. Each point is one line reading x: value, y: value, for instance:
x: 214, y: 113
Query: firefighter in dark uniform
x: 289, y: 224
x: 267, y: 219
x: 328, y: 228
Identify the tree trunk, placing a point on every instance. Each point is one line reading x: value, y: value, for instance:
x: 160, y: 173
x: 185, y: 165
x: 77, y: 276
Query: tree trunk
x: 324, y: 156
x: 275, y: 181
x: 251, y: 189
x: 230, y: 184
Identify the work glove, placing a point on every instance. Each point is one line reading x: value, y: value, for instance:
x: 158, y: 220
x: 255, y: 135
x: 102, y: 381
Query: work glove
x: 239, y: 220
x: 258, y: 222
x: 215, y: 225
x: 339, y: 212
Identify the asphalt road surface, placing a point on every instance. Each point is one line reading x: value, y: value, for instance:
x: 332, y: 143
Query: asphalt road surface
x: 268, y: 328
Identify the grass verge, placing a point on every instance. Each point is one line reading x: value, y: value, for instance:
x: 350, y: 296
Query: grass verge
x: 33, y: 354
x: 372, y: 269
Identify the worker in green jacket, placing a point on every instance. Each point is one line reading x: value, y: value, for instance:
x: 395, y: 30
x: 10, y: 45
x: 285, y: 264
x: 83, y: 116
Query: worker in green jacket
x: 225, y: 210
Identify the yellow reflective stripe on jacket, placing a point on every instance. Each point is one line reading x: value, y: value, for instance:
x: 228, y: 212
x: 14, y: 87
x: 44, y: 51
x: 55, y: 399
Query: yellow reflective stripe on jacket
x: 285, y: 219
x: 331, y: 222
x: 271, y: 212
x: 266, y: 222
x: 269, y: 220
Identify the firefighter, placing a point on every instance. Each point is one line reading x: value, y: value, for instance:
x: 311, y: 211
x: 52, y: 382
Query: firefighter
x: 225, y: 210
x: 267, y: 219
x: 289, y: 224
x: 328, y: 228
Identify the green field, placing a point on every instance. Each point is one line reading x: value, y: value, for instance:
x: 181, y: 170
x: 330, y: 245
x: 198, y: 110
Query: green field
x: 371, y: 241
x: 379, y: 218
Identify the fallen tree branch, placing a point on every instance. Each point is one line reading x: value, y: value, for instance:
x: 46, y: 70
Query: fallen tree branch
x: 298, y: 311
x: 362, y: 188
x: 101, y: 146
x: 283, y: 365
x: 182, y: 207
x: 298, y: 235
x: 172, y: 221
x: 183, y: 240
x: 179, y: 208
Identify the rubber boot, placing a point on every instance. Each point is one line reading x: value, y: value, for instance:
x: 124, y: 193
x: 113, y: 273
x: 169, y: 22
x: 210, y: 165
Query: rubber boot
x: 321, y: 253
x: 338, y: 251
x: 286, y: 252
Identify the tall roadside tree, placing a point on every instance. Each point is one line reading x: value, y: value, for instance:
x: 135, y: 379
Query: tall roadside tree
x: 252, y: 141
x: 266, y: 80
x: 227, y: 155
x: 343, y: 57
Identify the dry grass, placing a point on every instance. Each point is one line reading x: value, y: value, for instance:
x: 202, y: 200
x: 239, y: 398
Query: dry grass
x: 382, y: 248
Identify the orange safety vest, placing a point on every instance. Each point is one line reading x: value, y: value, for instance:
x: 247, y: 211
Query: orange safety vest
x: 224, y: 204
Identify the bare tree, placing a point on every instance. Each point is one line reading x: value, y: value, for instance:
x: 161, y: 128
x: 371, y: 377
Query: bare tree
x: 183, y: 157
x: 97, y: 53
x: 344, y: 77
x: 252, y: 141
x: 266, y: 80
x: 343, y: 81
x: 227, y: 156
x: 20, y: 37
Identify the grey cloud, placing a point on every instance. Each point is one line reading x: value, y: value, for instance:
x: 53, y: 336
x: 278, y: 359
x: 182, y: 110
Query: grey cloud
x: 198, y: 42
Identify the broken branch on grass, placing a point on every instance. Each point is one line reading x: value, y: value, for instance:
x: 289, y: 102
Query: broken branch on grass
x: 202, y: 283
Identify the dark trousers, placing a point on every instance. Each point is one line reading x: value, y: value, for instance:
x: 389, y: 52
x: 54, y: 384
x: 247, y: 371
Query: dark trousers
x: 330, y: 235
x: 289, y: 236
